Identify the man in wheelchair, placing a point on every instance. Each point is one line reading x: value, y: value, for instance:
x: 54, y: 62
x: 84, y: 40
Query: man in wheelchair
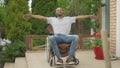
x: 61, y: 27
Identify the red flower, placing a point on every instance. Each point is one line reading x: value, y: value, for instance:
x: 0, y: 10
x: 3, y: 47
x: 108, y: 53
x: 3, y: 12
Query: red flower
x: 94, y: 34
x: 98, y: 35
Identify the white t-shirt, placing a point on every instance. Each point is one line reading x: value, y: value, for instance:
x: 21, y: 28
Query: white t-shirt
x: 61, y: 26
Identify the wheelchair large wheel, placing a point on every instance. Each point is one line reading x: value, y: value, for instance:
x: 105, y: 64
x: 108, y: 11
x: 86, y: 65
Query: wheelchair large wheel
x: 48, y: 52
x: 76, y: 61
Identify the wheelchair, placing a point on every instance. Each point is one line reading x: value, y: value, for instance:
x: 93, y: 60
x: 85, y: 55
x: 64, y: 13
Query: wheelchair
x: 63, y: 48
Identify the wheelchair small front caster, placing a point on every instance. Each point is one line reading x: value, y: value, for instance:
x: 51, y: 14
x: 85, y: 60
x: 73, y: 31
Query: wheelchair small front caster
x: 52, y: 61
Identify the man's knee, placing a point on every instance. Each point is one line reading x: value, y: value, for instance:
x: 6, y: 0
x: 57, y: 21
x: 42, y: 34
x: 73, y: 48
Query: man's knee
x: 76, y: 37
x: 51, y: 38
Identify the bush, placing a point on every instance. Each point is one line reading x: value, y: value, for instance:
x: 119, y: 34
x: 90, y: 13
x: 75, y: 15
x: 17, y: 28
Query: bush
x: 16, y: 49
x: 97, y: 41
x: 87, y: 43
x: 38, y: 42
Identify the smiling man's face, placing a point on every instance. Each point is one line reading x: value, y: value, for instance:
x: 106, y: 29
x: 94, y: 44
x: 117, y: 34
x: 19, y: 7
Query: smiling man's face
x: 59, y: 11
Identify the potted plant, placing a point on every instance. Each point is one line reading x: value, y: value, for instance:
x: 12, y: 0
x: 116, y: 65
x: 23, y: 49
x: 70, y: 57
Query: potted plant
x: 97, y: 42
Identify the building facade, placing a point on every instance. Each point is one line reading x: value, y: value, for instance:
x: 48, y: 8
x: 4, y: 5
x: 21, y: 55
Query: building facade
x: 115, y: 27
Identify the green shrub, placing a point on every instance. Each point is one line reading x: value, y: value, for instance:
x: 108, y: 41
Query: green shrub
x: 16, y: 49
x: 38, y: 42
x: 97, y: 42
x: 88, y: 43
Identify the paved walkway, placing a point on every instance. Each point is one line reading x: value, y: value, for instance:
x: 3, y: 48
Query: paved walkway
x: 37, y: 59
x: 86, y: 58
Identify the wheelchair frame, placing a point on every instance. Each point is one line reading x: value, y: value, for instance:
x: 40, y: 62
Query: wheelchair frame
x: 50, y: 56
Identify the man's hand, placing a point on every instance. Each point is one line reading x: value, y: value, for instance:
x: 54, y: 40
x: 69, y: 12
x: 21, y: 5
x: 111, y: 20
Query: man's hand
x: 26, y: 16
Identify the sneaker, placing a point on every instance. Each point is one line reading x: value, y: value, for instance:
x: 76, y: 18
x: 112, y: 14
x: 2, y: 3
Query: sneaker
x: 59, y: 61
x: 70, y: 60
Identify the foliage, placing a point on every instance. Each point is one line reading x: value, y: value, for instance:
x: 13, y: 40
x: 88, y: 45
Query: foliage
x: 80, y: 7
x: 65, y: 4
x: 1, y: 57
x: 88, y: 43
x: 16, y: 26
x: 92, y: 8
x: 45, y: 8
x: 16, y: 49
x: 97, y: 41
x: 2, y: 16
x: 38, y: 42
x: 11, y: 19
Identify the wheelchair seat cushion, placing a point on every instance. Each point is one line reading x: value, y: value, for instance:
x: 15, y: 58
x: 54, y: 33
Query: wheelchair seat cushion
x: 64, y: 48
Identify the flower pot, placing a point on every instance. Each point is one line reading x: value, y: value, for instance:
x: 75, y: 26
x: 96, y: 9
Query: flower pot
x: 98, y: 53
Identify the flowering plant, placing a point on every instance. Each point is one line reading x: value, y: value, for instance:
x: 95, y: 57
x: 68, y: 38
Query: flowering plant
x: 97, y: 41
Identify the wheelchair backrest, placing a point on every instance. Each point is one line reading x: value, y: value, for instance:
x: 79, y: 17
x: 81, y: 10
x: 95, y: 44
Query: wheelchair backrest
x: 50, y: 29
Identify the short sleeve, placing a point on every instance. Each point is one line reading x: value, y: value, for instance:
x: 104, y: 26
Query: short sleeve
x: 72, y: 19
x: 49, y: 20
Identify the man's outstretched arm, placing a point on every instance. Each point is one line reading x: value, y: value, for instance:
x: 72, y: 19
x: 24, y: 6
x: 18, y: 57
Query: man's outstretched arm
x: 86, y: 16
x: 35, y: 16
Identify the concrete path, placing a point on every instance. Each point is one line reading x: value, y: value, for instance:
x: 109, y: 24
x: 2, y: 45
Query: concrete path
x: 86, y: 58
x: 9, y: 65
x: 37, y: 59
x: 20, y: 62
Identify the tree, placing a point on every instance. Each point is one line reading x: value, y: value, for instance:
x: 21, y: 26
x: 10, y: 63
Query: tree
x: 16, y: 26
x: 2, y: 13
x: 45, y: 8
x: 2, y: 16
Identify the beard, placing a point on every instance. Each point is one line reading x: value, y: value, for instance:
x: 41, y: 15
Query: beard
x: 58, y: 15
